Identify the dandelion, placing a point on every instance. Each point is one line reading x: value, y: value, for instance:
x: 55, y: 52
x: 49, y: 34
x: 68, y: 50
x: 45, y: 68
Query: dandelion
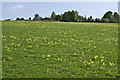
x: 89, y: 44
x: 48, y: 55
x: 29, y: 39
x: 10, y: 57
x: 63, y: 43
x: 111, y: 63
x: 8, y: 49
x: 81, y: 40
x: 59, y: 40
x: 59, y: 59
x: 12, y: 43
x: 14, y: 37
x: 105, y: 51
x: 91, y: 61
x: 94, y: 46
x: 72, y: 39
x: 11, y: 36
x: 75, y: 54
x: 88, y: 63
x: 4, y: 39
x: 50, y: 42
x: 29, y: 46
x: 43, y: 56
x: 102, y: 57
x: 3, y: 60
x: 18, y: 45
x: 34, y: 40
x: 74, y: 35
x: 108, y: 72
x: 55, y: 42
x: 3, y: 36
x: 103, y: 64
x: 101, y: 60
x: 116, y: 44
x: 82, y: 52
x: 25, y: 49
x: 47, y: 58
x: 95, y: 57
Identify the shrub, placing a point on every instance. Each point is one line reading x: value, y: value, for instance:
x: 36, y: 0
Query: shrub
x: 105, y: 20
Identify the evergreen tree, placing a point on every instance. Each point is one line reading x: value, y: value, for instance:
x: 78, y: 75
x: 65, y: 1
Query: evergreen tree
x: 116, y: 17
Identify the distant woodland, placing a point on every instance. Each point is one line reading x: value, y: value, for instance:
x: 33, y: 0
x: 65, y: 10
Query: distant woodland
x: 73, y: 16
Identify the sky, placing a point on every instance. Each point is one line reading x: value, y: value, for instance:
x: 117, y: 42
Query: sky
x: 60, y: 0
x: 12, y: 10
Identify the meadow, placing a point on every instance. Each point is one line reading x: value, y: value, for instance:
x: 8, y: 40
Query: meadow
x: 32, y: 49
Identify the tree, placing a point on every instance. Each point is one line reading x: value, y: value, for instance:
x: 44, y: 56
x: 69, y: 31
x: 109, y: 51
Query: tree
x: 53, y: 15
x: 22, y: 18
x: 37, y: 17
x: 46, y: 19
x: 89, y: 19
x: 70, y: 16
x: 80, y: 18
x: 17, y: 19
x: 30, y: 18
x: 74, y: 16
x: 85, y: 18
x: 116, y: 17
x: 97, y: 20
x: 58, y: 18
x: 66, y: 17
x: 108, y: 15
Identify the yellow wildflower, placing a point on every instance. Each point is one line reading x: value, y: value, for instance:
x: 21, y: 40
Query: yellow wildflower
x: 48, y: 55
x: 75, y: 54
x: 30, y: 46
x: 43, y: 56
x: 95, y: 57
x: 101, y: 60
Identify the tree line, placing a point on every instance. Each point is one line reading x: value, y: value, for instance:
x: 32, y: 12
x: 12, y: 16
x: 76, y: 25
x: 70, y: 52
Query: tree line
x: 73, y: 16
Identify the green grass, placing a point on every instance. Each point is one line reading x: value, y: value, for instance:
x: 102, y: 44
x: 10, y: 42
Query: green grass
x: 59, y: 49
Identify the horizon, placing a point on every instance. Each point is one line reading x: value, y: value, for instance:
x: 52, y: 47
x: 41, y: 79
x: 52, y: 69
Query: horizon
x: 13, y: 10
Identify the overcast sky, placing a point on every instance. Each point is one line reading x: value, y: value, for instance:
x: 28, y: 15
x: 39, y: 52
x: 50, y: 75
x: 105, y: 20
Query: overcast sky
x: 44, y: 9
x: 60, y: 0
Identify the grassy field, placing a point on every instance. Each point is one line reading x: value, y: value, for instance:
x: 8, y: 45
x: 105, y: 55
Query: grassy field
x: 59, y: 49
